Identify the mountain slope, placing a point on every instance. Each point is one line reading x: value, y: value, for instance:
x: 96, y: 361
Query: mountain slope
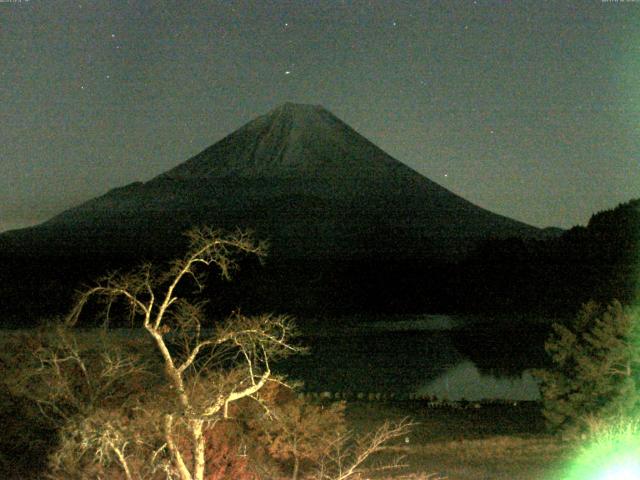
x: 298, y: 176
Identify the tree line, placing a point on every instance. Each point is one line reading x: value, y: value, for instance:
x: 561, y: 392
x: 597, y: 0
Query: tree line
x: 555, y: 276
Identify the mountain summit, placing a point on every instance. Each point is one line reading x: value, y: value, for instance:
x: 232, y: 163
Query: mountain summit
x: 290, y: 142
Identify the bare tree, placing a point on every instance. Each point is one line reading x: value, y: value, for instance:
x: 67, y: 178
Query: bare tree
x: 207, y: 367
x: 124, y: 410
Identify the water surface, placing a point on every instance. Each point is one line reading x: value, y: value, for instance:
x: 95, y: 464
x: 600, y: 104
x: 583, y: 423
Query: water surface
x: 446, y: 357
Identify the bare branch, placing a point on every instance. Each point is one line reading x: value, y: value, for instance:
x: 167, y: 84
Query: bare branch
x: 344, y: 463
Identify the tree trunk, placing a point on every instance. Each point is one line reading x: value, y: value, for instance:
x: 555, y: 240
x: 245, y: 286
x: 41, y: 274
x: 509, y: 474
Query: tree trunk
x: 198, y: 449
x: 296, y: 463
x: 176, y: 456
x: 296, y: 467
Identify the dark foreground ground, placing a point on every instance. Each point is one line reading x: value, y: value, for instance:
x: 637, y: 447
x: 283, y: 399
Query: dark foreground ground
x: 492, y: 442
x: 480, y: 442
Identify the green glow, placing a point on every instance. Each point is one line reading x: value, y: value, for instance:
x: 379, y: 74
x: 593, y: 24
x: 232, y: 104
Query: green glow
x: 613, y: 454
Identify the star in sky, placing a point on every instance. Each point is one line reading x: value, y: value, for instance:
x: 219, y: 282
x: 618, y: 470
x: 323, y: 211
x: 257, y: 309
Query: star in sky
x: 422, y: 82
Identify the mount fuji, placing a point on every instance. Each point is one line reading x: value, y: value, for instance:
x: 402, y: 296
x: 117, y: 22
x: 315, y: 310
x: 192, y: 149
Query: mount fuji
x: 299, y: 177
x: 325, y: 198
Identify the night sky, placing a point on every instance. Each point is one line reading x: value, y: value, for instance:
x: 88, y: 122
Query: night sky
x: 531, y: 110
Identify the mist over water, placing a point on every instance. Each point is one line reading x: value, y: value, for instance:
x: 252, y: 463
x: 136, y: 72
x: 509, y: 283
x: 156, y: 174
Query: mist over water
x: 466, y: 382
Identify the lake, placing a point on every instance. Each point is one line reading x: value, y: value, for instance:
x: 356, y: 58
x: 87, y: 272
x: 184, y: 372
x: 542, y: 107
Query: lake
x: 447, y: 357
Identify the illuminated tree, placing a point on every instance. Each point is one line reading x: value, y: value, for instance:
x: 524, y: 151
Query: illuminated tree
x: 175, y: 399
x: 298, y: 433
x: 199, y: 369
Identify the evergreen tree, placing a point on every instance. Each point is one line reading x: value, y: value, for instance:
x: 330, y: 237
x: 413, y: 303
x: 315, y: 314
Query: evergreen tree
x: 596, y: 368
